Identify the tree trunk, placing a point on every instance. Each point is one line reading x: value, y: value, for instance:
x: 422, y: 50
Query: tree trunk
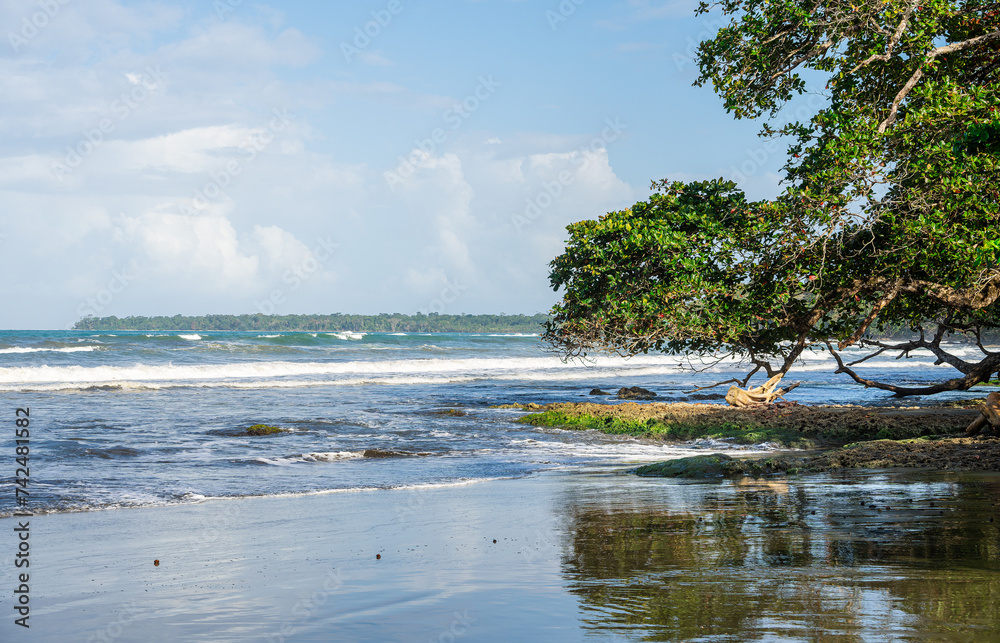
x: 989, y: 414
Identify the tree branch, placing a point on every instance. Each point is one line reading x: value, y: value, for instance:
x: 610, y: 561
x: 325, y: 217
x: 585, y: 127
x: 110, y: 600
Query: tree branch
x: 876, y: 309
x: 986, y: 295
x: 979, y: 373
x: 900, y: 28
x: 919, y: 73
x: 815, y: 51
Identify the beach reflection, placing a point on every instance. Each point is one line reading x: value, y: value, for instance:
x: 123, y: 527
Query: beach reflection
x: 855, y: 557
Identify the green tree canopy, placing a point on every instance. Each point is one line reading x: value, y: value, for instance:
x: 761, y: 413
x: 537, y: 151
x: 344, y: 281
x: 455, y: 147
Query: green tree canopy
x: 889, y: 218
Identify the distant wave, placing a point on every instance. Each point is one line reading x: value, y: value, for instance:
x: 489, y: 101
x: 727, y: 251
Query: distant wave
x: 284, y: 374
x: 69, y: 349
x: 236, y: 370
x: 348, y: 334
x: 192, y: 337
x: 512, y: 335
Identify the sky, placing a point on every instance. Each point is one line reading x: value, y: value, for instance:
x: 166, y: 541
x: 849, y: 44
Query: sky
x: 229, y: 157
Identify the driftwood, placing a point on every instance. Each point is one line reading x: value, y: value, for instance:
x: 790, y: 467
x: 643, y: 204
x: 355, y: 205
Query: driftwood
x: 767, y: 393
x: 989, y: 414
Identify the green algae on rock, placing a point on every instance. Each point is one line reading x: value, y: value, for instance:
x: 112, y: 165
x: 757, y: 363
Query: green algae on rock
x: 263, y: 429
x: 950, y: 454
x: 716, y: 465
x: 457, y: 413
x: 719, y: 465
x: 797, y: 426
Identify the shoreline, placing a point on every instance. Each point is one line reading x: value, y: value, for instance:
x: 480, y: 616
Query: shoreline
x: 552, y: 557
x: 837, y: 437
x: 340, y: 567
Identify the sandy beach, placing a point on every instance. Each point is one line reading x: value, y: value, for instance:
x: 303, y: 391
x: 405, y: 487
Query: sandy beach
x: 304, y: 568
x: 585, y: 555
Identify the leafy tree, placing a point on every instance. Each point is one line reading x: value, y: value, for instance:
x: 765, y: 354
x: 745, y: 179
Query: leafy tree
x: 889, y: 220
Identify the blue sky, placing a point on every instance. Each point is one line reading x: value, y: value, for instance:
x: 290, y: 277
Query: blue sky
x: 239, y: 157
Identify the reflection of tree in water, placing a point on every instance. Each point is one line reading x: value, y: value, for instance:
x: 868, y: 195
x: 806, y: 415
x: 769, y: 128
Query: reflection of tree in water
x: 738, y: 562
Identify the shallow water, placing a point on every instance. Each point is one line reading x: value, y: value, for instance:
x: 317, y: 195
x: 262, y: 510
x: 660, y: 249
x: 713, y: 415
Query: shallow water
x: 131, y: 419
x: 855, y: 557
x: 567, y: 555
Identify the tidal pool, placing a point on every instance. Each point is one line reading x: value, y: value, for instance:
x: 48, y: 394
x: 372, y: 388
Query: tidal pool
x: 858, y: 556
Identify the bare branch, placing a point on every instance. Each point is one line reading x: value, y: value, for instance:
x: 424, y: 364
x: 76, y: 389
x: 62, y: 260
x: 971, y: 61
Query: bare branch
x: 705, y: 388
x: 876, y: 309
x: 868, y: 357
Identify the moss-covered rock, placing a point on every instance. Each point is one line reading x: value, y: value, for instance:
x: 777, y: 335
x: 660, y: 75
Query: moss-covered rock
x: 455, y: 413
x: 382, y: 453
x: 263, y: 429
x: 717, y: 465
x: 801, y: 427
x: 956, y: 454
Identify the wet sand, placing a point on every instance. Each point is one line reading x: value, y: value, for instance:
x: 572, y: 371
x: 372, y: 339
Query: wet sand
x: 580, y: 555
x: 304, y: 568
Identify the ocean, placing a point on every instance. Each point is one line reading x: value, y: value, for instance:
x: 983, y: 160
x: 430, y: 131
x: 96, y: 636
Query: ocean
x: 137, y: 419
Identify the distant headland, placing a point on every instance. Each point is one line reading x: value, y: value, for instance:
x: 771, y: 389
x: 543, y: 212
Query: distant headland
x: 394, y: 323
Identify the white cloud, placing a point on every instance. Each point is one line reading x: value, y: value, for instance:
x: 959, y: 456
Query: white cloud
x: 239, y: 47
x: 130, y: 204
x: 280, y: 250
x: 201, y: 251
x: 470, y: 223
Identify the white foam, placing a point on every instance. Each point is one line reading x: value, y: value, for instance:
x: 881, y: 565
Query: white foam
x: 483, y: 367
x: 291, y: 374
x: 348, y: 334
x: 70, y: 349
x: 270, y: 336
x: 629, y: 451
x: 330, y: 456
x: 192, y: 337
x: 512, y: 335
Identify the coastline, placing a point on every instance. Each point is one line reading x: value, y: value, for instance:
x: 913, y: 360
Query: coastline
x: 834, y: 437
x: 579, y: 554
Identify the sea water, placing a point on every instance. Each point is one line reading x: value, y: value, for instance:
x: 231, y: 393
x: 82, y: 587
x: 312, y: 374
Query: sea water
x: 128, y: 419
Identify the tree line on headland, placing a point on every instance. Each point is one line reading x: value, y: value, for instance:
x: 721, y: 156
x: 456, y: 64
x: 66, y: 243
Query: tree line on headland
x: 394, y: 323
